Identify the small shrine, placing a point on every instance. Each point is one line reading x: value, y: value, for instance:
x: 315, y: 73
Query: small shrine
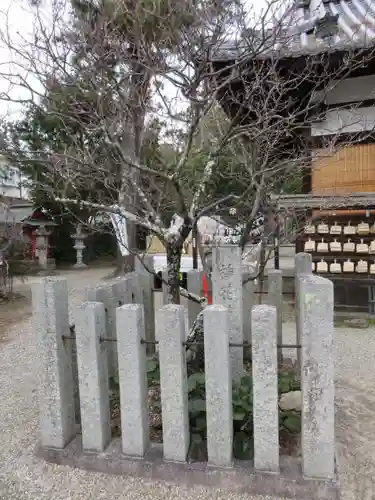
x: 33, y: 224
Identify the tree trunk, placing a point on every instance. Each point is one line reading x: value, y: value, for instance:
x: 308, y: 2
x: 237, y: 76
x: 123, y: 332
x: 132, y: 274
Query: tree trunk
x: 174, y: 253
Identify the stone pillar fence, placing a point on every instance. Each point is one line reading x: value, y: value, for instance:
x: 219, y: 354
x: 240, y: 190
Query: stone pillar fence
x: 114, y: 329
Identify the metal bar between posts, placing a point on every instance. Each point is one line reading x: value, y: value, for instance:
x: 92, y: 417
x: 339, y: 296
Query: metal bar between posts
x: 245, y: 345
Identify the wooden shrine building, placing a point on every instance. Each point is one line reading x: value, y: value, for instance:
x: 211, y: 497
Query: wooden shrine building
x: 337, y: 200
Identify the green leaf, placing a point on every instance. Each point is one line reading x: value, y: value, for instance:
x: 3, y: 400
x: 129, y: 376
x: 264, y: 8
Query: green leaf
x: 295, y: 385
x: 197, y: 405
x: 201, y: 424
x: 238, y: 415
x: 196, y: 438
x: 285, y: 382
x: 195, y: 380
x: 152, y: 365
x: 292, y: 423
x: 242, y: 446
x: 247, y: 381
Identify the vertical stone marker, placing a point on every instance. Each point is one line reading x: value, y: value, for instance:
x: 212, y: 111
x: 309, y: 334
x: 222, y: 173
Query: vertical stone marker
x: 108, y: 296
x: 275, y: 298
x: 133, y: 380
x: 318, y: 426
x: 302, y: 266
x: 194, y: 285
x: 93, y: 376
x: 227, y: 291
x: 173, y: 382
x: 55, y: 375
x: 218, y: 386
x: 146, y: 279
x: 122, y: 290
x: 265, y: 389
x: 164, y: 286
x: 248, y: 301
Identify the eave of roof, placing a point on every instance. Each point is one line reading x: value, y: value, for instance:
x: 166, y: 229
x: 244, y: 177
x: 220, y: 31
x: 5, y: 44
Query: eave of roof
x: 311, y: 201
x: 355, y: 30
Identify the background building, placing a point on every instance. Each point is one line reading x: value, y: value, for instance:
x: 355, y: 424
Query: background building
x: 12, y: 184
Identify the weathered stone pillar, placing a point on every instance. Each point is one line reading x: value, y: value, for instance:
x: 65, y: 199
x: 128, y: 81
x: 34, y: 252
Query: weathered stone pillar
x: 173, y: 382
x: 55, y: 373
x: 218, y: 386
x: 302, y: 266
x: 144, y: 269
x: 194, y: 285
x: 265, y: 382
x: 79, y: 246
x: 92, y: 360
x: 132, y: 380
x: 227, y: 291
x: 42, y: 247
x: 275, y: 298
x: 109, y: 296
x: 317, y: 384
x: 248, y: 300
x: 164, y: 287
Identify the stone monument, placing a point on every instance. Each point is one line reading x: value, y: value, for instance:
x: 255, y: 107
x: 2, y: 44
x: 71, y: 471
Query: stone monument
x: 42, y: 245
x: 79, y: 246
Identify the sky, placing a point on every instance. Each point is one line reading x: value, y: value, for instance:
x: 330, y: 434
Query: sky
x: 16, y: 28
x: 17, y: 25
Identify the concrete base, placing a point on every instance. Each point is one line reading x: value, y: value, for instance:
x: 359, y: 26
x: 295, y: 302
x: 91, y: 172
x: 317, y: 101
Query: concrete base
x: 82, y: 265
x: 46, y: 272
x: 241, y: 478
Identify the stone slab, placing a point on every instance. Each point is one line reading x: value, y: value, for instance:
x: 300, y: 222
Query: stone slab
x: 92, y: 359
x: 241, y: 478
x: 218, y: 386
x: 132, y: 379
x: 54, y: 362
x: 173, y: 382
x: 227, y: 291
x: 265, y: 382
x: 194, y: 285
x: 318, y: 387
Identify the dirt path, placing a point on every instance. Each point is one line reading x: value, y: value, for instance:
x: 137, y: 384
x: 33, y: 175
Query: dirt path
x: 12, y: 313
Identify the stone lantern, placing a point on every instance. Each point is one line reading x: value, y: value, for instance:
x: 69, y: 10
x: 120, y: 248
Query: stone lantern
x: 42, y: 246
x: 79, y: 246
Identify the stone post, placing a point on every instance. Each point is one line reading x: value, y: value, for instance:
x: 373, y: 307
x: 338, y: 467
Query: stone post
x: 275, y: 298
x: 145, y: 271
x: 265, y: 388
x: 108, y: 295
x: 164, y: 286
x: 173, y: 382
x: 227, y: 291
x: 194, y: 285
x: 79, y: 246
x: 318, y: 419
x: 55, y: 374
x: 42, y: 246
x: 248, y: 301
x: 132, y: 380
x: 218, y: 386
x: 92, y: 360
x: 302, y: 266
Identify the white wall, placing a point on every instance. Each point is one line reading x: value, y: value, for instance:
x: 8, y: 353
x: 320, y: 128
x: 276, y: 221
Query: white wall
x: 355, y: 118
x: 12, y: 184
x: 349, y: 90
x: 344, y: 121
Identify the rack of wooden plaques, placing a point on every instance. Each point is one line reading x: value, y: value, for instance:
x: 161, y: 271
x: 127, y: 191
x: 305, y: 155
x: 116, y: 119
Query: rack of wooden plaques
x: 343, y: 249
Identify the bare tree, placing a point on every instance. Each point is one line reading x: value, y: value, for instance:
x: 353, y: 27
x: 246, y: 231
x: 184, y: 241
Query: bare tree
x: 104, y: 75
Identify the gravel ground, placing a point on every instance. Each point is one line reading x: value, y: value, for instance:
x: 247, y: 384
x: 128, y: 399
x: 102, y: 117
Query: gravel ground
x: 23, y: 477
